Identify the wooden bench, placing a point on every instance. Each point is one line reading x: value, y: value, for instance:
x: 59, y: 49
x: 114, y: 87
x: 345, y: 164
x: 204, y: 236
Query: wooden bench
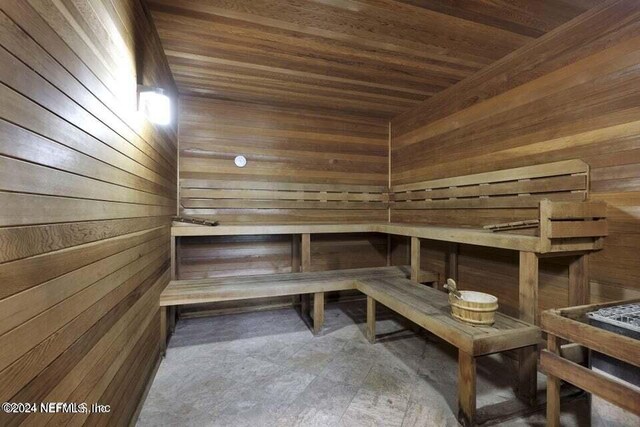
x: 180, y: 292
x: 553, y: 195
x: 430, y: 309
x: 427, y: 307
x: 566, y: 229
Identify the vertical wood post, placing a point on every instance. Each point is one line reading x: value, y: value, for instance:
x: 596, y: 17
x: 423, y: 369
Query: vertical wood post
x: 553, y: 388
x: 163, y: 331
x: 174, y: 264
x: 295, y: 253
x: 295, y: 263
x: 171, y: 318
x: 415, y: 259
x: 528, y: 287
x: 452, y: 261
x: 371, y: 319
x: 306, y: 252
x: 466, y: 388
x: 305, y: 255
x: 528, y: 374
x: 579, y: 288
x: 318, y: 312
x: 389, y: 250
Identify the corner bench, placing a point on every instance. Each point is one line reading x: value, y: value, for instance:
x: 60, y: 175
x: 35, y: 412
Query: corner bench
x: 427, y: 307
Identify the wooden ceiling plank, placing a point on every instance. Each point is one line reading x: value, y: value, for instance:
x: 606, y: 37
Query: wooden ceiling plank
x: 358, y: 58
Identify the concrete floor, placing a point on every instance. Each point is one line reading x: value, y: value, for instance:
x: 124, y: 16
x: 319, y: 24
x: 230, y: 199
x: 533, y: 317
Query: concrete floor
x: 266, y: 369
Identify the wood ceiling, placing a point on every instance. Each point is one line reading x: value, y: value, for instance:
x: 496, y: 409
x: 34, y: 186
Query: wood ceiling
x: 365, y: 57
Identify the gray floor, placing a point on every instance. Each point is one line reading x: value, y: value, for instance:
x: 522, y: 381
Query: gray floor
x: 266, y: 369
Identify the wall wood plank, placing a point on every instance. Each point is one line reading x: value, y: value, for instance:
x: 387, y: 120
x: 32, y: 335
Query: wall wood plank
x: 574, y: 93
x: 87, y: 189
x: 286, y: 150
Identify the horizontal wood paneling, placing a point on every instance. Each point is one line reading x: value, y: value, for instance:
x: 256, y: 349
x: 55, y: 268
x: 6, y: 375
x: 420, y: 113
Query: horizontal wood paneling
x: 281, y: 146
x: 572, y: 94
x: 374, y: 57
x: 87, y: 189
x: 289, y: 152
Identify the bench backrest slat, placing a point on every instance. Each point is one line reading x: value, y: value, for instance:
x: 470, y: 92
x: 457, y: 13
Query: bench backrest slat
x: 265, y: 195
x: 522, y: 187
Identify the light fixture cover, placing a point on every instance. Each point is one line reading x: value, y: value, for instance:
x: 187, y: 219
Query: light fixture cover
x: 240, y: 161
x: 154, y: 104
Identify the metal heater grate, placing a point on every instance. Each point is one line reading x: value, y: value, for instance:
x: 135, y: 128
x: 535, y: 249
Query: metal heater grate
x: 625, y: 316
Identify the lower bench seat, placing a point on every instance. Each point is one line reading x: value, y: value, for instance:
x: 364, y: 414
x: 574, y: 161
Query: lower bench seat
x: 389, y: 286
x: 430, y: 309
x: 272, y: 285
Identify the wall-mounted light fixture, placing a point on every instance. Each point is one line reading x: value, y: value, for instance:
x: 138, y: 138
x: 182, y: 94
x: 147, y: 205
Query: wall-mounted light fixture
x: 154, y: 104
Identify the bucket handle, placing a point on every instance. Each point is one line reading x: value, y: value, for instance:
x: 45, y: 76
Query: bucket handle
x: 453, y: 288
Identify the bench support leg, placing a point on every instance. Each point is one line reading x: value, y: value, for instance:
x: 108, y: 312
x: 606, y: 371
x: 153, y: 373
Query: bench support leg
x: 415, y: 259
x: 171, y: 318
x: 163, y: 331
x: 174, y: 263
x: 528, y: 287
x: 295, y: 264
x: 371, y: 320
x: 579, y: 291
x: 318, y: 312
x: 553, y: 388
x: 466, y: 389
x: 305, y: 265
x: 452, y: 262
x: 528, y: 374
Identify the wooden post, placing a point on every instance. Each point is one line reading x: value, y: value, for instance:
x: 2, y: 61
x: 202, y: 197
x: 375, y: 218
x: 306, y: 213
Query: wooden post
x: 168, y: 314
x: 415, y: 259
x: 295, y: 263
x: 305, y: 256
x: 528, y: 287
x: 466, y: 388
x: 553, y: 388
x: 163, y: 331
x: 371, y: 319
x: 295, y: 253
x: 174, y: 264
x: 306, y: 252
x: 318, y: 312
x: 452, y: 261
x: 579, y: 288
x: 389, y: 254
x: 171, y: 318
x: 528, y: 374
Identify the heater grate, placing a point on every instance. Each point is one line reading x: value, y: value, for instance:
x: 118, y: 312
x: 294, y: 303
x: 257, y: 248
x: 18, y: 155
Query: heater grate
x: 625, y: 316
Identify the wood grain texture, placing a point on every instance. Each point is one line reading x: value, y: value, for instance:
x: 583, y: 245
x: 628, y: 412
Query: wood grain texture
x: 87, y: 191
x: 570, y: 94
x: 302, y: 167
x: 373, y: 57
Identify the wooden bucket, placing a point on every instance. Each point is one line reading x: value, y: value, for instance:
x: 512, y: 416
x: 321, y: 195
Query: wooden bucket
x: 476, y: 308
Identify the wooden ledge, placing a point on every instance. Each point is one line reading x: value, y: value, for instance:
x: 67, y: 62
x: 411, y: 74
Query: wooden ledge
x: 462, y: 235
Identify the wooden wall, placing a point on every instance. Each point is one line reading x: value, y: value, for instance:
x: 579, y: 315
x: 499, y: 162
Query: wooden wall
x: 281, y: 146
x: 573, y: 93
x: 87, y: 188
